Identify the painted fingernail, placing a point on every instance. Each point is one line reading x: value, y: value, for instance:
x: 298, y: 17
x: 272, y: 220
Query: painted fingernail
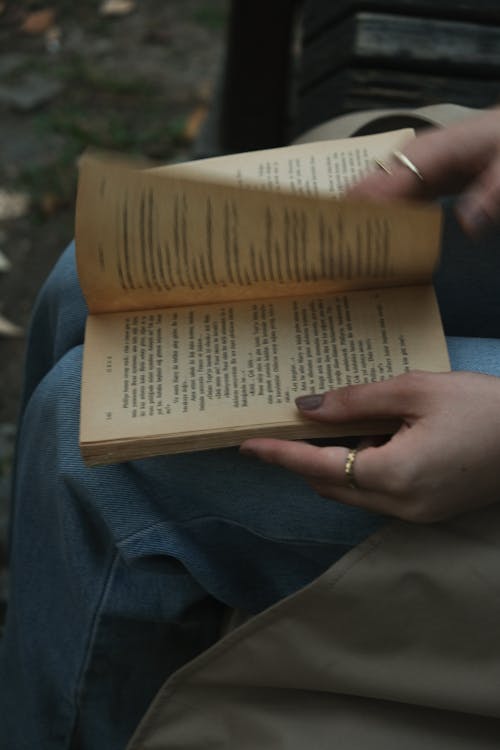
x: 309, y: 403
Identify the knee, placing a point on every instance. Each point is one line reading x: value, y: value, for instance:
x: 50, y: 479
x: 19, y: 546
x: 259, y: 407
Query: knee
x: 59, y: 313
x: 62, y: 283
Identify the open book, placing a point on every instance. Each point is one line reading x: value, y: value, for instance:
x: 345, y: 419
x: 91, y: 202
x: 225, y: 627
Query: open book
x: 220, y: 290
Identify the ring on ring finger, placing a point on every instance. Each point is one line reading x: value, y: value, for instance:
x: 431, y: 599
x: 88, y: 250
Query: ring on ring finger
x: 349, y: 468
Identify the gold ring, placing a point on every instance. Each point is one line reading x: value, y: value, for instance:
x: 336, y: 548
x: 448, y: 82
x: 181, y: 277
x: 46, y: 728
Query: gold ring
x: 408, y: 164
x: 349, y: 468
x: 382, y: 165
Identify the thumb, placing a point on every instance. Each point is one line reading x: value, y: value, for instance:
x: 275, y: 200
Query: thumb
x: 389, y: 399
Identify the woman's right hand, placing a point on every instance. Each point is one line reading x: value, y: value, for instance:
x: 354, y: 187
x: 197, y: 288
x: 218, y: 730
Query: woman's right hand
x: 463, y: 158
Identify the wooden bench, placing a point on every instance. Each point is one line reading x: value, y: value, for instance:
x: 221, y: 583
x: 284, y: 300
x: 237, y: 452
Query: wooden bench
x: 398, y: 53
x: 355, y: 54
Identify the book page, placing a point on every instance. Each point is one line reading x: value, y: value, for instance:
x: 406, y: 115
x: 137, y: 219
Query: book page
x: 327, y: 167
x: 198, y: 377
x: 146, y: 241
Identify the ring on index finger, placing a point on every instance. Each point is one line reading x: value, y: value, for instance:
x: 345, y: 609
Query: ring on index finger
x: 403, y: 159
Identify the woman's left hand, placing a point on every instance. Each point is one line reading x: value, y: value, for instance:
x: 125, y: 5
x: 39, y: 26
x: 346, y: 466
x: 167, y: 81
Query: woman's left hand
x: 444, y: 459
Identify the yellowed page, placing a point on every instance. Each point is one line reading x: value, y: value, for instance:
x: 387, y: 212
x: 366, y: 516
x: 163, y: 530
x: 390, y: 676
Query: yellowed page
x: 328, y: 167
x: 201, y: 377
x: 147, y: 241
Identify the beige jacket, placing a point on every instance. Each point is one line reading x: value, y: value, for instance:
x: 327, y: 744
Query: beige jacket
x: 395, y: 647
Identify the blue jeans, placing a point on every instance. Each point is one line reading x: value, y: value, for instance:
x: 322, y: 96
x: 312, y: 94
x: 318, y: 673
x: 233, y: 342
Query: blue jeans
x: 120, y: 574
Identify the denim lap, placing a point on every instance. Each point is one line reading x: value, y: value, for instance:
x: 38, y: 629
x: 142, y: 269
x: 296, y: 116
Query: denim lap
x: 120, y: 574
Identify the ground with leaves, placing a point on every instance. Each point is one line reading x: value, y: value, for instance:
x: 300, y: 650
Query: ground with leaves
x: 130, y: 75
x: 136, y: 78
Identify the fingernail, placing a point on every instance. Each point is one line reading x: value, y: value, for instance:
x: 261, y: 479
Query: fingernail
x: 473, y: 218
x: 309, y: 403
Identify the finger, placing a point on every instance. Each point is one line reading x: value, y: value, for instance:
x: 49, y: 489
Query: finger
x: 380, y: 479
x: 313, y: 463
x: 395, y: 184
x: 479, y: 208
x: 324, y: 469
x: 375, y: 502
x: 402, y: 507
x: 371, y: 441
x: 373, y: 468
x: 447, y: 159
x: 388, y: 399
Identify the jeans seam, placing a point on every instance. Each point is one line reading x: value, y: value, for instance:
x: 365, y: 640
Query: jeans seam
x: 259, y: 534
x: 91, y: 640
